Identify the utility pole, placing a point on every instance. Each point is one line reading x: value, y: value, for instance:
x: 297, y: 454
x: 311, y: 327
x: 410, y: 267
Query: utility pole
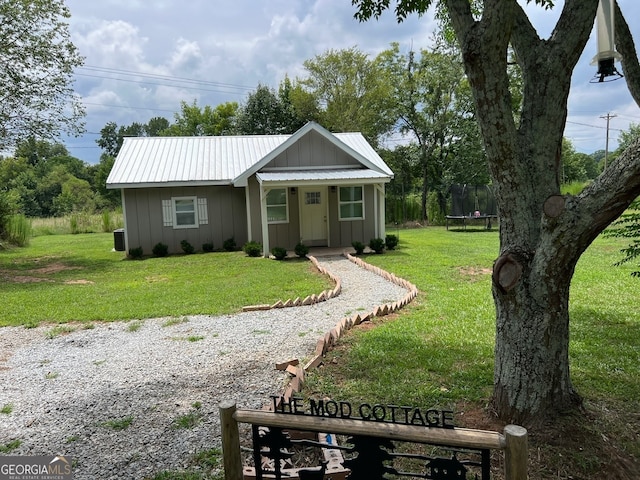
x: 608, y: 117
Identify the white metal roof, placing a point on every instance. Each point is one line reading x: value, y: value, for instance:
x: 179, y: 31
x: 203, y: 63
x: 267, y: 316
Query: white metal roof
x: 328, y: 176
x: 218, y: 160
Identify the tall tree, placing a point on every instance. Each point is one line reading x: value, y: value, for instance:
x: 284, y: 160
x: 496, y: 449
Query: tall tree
x: 268, y: 113
x: 542, y: 233
x: 112, y: 136
x: 425, y: 94
x: 352, y: 91
x: 37, y: 59
x: 195, y: 121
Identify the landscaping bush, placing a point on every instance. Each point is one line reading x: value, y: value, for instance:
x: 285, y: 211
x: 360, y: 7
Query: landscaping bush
x: 160, y: 250
x: 252, y: 249
x: 279, y: 253
x: 391, y: 241
x: 187, y: 247
x: 377, y: 245
x: 207, y: 247
x: 358, y: 247
x: 301, y: 250
x: 229, y: 244
x: 136, y: 253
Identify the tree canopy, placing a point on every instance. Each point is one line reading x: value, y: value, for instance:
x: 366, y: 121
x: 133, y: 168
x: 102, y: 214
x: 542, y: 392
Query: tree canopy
x: 37, y: 59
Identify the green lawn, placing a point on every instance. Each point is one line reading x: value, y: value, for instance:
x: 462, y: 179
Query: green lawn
x: 438, y: 352
x: 62, y: 278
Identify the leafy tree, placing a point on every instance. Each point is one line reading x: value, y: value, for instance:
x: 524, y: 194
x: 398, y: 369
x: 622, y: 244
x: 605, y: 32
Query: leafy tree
x: 404, y: 160
x: 427, y: 90
x: 352, y: 90
x: 268, y: 113
x: 542, y: 233
x: 112, y: 136
x: 195, y: 121
x: 628, y: 226
x: 37, y: 59
x: 627, y: 137
x: 75, y: 195
x: 106, y: 198
x: 39, y: 151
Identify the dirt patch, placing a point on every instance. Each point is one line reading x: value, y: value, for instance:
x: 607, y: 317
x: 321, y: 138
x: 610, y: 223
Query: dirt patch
x: 585, y: 445
x: 79, y: 282
x: 474, y: 271
x: 52, y: 268
x: 23, y: 278
x: 36, y: 275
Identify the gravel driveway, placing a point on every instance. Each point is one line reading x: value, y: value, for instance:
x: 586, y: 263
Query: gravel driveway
x: 70, y: 394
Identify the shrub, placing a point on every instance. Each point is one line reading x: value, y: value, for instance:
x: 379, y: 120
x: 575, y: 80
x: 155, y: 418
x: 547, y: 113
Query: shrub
x: 391, y: 241
x: 252, y: 249
x: 136, y: 253
x: 187, y: 247
x: 377, y: 245
x: 207, y: 247
x: 279, y: 253
x: 160, y: 250
x: 229, y: 244
x: 301, y: 250
x: 435, y: 214
x: 358, y: 247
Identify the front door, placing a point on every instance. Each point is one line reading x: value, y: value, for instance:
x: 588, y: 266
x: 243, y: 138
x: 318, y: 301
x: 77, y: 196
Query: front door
x: 313, y: 216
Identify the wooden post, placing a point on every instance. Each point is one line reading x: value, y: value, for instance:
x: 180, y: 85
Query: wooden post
x: 230, y: 441
x: 516, y: 453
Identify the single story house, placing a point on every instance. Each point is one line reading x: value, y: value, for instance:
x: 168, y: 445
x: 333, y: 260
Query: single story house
x: 314, y: 187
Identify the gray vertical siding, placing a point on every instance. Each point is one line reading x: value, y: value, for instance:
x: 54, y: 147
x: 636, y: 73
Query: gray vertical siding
x: 144, y: 222
x: 313, y: 150
x: 346, y: 231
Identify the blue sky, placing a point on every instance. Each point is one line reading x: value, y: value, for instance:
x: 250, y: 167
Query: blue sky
x: 142, y: 58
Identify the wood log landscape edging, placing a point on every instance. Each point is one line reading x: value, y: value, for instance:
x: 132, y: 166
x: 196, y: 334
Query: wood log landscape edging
x: 329, y: 339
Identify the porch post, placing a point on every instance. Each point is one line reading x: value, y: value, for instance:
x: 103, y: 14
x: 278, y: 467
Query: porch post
x: 248, y: 209
x: 263, y: 220
x: 380, y: 210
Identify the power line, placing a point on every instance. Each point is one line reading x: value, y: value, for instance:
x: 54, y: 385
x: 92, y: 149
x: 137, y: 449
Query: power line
x: 178, y: 82
x: 164, y: 77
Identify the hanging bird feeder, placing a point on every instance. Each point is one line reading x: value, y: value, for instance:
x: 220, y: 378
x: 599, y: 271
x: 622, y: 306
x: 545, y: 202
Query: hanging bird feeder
x: 607, y: 56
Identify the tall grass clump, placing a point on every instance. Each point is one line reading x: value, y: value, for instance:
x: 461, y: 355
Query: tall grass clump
x: 107, y: 223
x: 19, y: 230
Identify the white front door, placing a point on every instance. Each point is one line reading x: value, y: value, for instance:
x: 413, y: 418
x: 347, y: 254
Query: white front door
x: 313, y: 216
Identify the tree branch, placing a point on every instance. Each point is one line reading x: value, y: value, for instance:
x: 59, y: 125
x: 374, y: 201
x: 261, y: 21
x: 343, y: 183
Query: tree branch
x: 606, y: 198
x: 626, y: 47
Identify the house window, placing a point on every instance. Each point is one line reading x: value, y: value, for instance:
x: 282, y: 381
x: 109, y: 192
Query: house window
x: 277, y: 207
x: 351, y: 203
x: 312, y: 198
x: 185, y: 212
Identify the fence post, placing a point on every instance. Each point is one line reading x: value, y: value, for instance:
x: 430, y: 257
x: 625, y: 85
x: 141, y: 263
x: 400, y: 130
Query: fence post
x: 516, y: 453
x: 230, y: 441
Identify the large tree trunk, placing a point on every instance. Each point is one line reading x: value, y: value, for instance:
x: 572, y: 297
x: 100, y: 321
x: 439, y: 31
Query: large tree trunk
x: 542, y: 234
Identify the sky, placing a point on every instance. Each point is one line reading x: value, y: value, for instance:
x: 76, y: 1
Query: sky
x: 142, y: 58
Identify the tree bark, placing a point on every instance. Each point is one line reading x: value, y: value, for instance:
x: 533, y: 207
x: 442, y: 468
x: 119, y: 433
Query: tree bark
x: 542, y: 234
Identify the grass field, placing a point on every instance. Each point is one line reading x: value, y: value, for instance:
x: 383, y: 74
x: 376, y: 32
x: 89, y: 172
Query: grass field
x: 64, y: 278
x: 438, y: 352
